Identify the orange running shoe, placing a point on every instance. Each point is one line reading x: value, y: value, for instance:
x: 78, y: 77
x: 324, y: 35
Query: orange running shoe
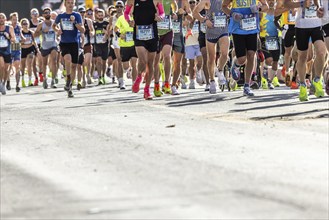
x: 294, y: 85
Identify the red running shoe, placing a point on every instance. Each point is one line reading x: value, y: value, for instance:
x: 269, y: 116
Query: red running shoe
x: 147, y: 94
x: 36, y: 82
x: 137, y: 83
x: 41, y: 77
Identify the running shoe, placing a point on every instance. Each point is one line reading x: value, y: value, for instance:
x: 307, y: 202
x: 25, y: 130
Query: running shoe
x: 212, y: 87
x: 122, y: 84
x: 56, y: 80
x: 207, y: 88
x: 45, y: 84
x: 275, y: 82
x: 18, y: 89
x: 254, y: 85
x: 174, y: 90
x: 264, y: 83
x: 36, y: 82
x: 312, y: 90
x: 79, y: 86
x: 67, y: 86
x: 318, y: 89
x: 135, y: 87
x: 100, y: 82
x: 287, y: 80
x: 166, y: 88
x: 8, y: 85
x: 84, y: 84
x: 235, y: 72
x: 108, y: 72
x: 53, y: 84
x: 157, y: 91
x: 129, y: 73
x: 41, y: 77
x: 30, y: 83
x: 247, y: 91
x: 303, y: 93
x: 199, y: 78
x: 89, y: 81
x: 70, y: 94
x: 50, y: 75
x: 270, y: 85
x: 183, y: 82
x: 113, y: 80
x: 147, y: 94
x: 216, y: 72
x: 192, y: 84
x: 103, y: 80
x: 293, y: 85
x: 2, y: 89
x: 23, y: 83
x: 221, y: 78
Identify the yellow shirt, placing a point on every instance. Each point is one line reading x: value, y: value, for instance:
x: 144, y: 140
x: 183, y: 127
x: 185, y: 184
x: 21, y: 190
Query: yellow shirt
x: 124, y: 27
x: 288, y: 18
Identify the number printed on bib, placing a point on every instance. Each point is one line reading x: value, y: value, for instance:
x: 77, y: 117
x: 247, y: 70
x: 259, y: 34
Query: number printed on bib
x: 165, y: 24
x: 271, y: 43
x: 50, y: 36
x: 3, y: 42
x: 144, y: 32
x: 219, y: 20
x: 203, y: 28
x: 129, y: 36
x: 291, y: 18
x: 310, y: 13
x: 67, y: 25
x: 176, y: 27
x: 248, y: 24
x: 195, y: 28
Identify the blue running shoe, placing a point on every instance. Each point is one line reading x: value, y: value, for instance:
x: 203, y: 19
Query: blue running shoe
x: 247, y: 91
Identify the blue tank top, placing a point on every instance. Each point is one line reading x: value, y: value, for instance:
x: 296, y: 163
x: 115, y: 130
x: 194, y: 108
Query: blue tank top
x: 4, y: 42
x: 250, y: 21
x: 268, y: 28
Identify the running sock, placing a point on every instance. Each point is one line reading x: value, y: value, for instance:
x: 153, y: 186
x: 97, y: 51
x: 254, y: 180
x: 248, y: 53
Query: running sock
x: 303, y: 84
x: 246, y: 85
x: 316, y: 79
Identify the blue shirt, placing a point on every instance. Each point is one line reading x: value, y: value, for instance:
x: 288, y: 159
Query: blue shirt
x: 70, y: 32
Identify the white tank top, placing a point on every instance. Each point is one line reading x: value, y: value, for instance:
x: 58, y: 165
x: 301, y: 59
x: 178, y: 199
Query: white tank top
x: 307, y: 18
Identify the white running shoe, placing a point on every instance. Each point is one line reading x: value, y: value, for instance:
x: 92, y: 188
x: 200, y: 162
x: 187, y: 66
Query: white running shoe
x: 207, y: 88
x: 174, y: 90
x: 199, y: 77
x: 122, y: 84
x: 182, y: 81
x: 216, y: 72
x: 221, y: 78
x: 212, y: 88
x: 192, y: 84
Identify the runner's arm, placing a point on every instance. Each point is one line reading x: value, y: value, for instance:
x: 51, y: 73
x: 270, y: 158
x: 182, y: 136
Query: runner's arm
x: 198, y: 8
x: 38, y: 30
x: 279, y: 9
x: 290, y: 4
x: 129, y: 6
x: 12, y: 34
x: 91, y: 27
x: 79, y: 26
x: 264, y: 7
x: 226, y: 5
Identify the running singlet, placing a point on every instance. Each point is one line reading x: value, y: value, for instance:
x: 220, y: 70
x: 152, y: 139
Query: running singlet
x: 124, y: 27
x: 268, y: 28
x: 100, y: 28
x: 70, y: 32
x: 33, y: 27
x: 87, y: 33
x: 288, y: 18
x: 249, y: 24
x: 165, y: 26
x: 144, y: 15
x: 4, y: 42
x: 28, y: 38
x: 17, y: 46
x: 49, y: 37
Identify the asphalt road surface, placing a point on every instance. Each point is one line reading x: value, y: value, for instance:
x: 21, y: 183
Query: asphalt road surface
x: 110, y: 154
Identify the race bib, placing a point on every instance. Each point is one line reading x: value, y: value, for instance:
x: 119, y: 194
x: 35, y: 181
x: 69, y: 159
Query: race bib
x: 195, y: 28
x: 28, y: 40
x: 144, y: 32
x: 310, y: 13
x: 50, y: 36
x: 67, y: 25
x: 3, y: 42
x: 271, y: 43
x: 18, y: 38
x: 248, y: 24
x: 291, y: 18
x: 129, y: 36
x: 165, y: 24
x: 220, y: 20
x: 100, y: 38
x: 176, y: 27
x: 37, y: 40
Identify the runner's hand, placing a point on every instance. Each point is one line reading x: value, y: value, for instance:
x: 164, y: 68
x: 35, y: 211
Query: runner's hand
x: 123, y: 36
x: 60, y: 32
x: 320, y: 12
x: 254, y: 8
x: 181, y: 11
x: 209, y: 24
x: 72, y: 18
x: 237, y: 16
x: 6, y: 35
x: 174, y: 17
x: 157, y: 18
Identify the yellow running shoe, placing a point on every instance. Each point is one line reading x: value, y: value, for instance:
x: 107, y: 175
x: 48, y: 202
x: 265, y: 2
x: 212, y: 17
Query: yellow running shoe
x: 167, y: 88
x: 318, y: 89
x: 23, y: 83
x: 264, y: 83
x: 275, y: 82
x: 303, y: 93
x: 157, y: 92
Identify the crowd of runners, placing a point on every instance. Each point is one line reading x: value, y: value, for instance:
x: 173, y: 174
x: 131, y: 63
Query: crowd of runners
x: 219, y: 44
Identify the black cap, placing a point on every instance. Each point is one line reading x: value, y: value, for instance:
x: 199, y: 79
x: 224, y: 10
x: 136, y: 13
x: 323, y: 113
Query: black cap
x: 81, y: 8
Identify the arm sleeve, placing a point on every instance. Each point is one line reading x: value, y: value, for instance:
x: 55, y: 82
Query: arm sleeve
x: 127, y: 12
x: 161, y: 10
